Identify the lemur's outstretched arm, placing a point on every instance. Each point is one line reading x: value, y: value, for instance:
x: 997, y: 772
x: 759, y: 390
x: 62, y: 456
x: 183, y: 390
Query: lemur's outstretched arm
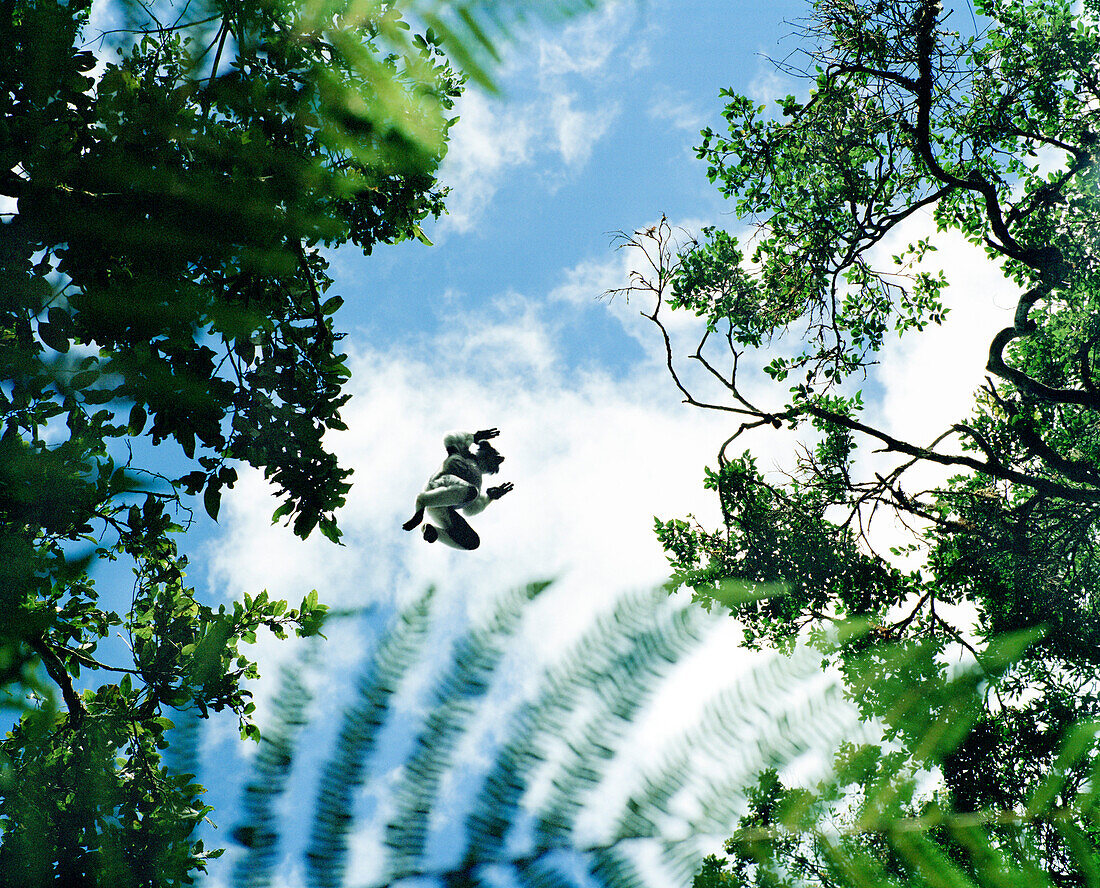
x: 493, y: 493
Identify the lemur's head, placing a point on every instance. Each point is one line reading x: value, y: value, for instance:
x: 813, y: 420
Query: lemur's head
x: 488, y: 458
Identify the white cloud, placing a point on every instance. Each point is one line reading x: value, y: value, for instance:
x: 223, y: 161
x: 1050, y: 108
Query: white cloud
x: 931, y: 377
x: 493, y: 138
x: 563, y: 110
x: 588, y: 45
x: 488, y: 140
x: 510, y: 339
x: 578, y: 130
x: 926, y: 381
x: 678, y: 110
x: 593, y: 460
x: 590, y: 278
x: 771, y: 84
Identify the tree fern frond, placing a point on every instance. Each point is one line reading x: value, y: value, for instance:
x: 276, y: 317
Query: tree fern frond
x: 398, y: 652
x: 270, y: 772
x: 516, y: 817
x: 742, y: 717
x: 182, y: 758
x: 473, y: 663
x: 545, y: 872
x: 595, y: 658
x: 622, y: 688
x: 473, y: 31
x: 523, y: 815
x: 611, y: 866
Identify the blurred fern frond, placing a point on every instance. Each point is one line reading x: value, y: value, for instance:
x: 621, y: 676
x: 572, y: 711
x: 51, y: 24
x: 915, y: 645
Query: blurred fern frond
x: 473, y: 31
x: 270, y: 773
x: 543, y: 791
x: 406, y: 37
x: 460, y: 786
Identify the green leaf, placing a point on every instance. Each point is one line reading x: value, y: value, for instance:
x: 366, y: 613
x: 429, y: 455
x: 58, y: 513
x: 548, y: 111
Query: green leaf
x: 1081, y: 740
x: 212, y: 499
x: 83, y: 379
x: 54, y: 337
x: 329, y: 529
x: 206, y: 660
x: 137, y: 419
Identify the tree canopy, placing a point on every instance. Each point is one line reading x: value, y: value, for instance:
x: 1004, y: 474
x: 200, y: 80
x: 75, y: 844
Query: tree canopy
x: 991, y: 130
x: 163, y: 284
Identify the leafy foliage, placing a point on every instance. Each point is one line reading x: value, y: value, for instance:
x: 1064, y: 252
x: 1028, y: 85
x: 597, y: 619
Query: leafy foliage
x: 161, y: 276
x: 407, y: 773
x: 875, y: 821
x: 993, y: 135
x: 539, y: 764
x: 165, y: 318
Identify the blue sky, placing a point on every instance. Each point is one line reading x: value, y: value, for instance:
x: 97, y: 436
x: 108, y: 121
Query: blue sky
x: 594, y: 134
x: 498, y: 324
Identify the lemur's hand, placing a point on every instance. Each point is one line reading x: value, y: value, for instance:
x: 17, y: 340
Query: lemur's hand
x: 496, y: 493
x: 485, y: 435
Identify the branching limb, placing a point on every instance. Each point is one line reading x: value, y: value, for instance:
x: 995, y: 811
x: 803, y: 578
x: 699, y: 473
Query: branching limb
x: 662, y: 264
x: 1076, y: 470
x: 1042, y: 485
x: 1084, y: 366
x: 980, y: 440
x: 160, y: 29
x: 60, y: 676
x: 90, y: 661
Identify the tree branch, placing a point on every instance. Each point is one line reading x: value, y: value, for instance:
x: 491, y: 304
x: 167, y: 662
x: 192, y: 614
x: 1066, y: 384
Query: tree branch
x: 60, y: 675
x: 996, y: 470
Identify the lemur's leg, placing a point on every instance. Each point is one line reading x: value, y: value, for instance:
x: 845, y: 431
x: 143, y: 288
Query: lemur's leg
x: 442, y: 495
x: 457, y: 494
x: 452, y: 530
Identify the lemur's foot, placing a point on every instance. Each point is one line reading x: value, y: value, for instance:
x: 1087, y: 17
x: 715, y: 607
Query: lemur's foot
x: 430, y: 533
x: 415, y: 520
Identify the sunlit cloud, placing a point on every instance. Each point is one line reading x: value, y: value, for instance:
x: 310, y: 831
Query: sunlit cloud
x: 680, y: 110
x: 489, y: 139
x: 589, y: 45
x: 560, y: 108
x: 576, y: 129
x: 771, y: 84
